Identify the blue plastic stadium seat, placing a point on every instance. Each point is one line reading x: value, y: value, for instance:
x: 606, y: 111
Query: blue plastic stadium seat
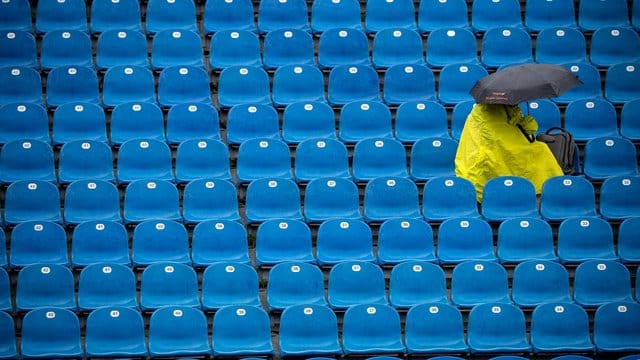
x: 263, y: 158
x: 542, y: 14
x: 243, y: 85
x: 620, y: 83
x: 50, y: 332
x: 449, y: 197
x: 416, y: 282
x: 178, y: 331
x: 559, y: 45
x: 615, y: 327
x: 448, y: 46
x: 136, y: 120
x: 192, y: 121
x: 23, y: 121
x: 343, y: 14
x: 275, y: 15
x: 43, y: 286
x: 18, y: 48
x: 567, y: 196
x: 629, y: 120
x: 70, y: 83
x: 121, y: 47
x: 115, y: 15
x: 456, y: 80
x: 355, y: 282
x: 241, y: 331
x: 479, y: 282
x: 81, y: 159
x: 35, y: 242
x: 219, y: 240
x: 284, y: 290
x: 521, y: 239
x: 158, y: 241
x: 442, y: 332
x: 506, y: 197
x: 229, y: 283
x: 147, y: 199
x: 382, y: 14
x: 221, y: 15
x: 372, y: 329
x: 27, y: 200
x: 343, y: 47
x: 5, y: 292
x: 436, y: 14
x: 506, y: 46
x: 115, y: 331
x: 106, y: 285
x: 173, y: 47
x: 396, y: 46
x: 166, y: 283
x: 560, y: 327
x: 614, y: 45
x: 16, y: 15
x: 19, y: 84
x: 79, y: 121
x: 99, y: 241
x: 272, y: 198
x: 331, y: 198
x: 233, y: 47
x: 63, y: 15
x: 8, y: 348
x: 537, y: 282
x: 202, y: 159
x: 303, y: 120
x: 170, y: 15
x: 123, y: 84
x: 587, y: 119
x: 251, y: 121
x: 331, y: 248
x: 405, y: 239
x: 360, y: 120
x: 296, y: 337
x: 279, y: 241
x: 488, y: 14
x: 605, y: 157
x: 65, y: 47
x: 404, y: 83
x: 628, y: 249
x: 297, y: 83
x: 390, y: 197
x: 585, y: 238
x: 144, y: 159
x: 432, y: 157
x: 287, y: 47
x: 26, y: 160
x: 207, y: 199
x: 593, y: 15
x: 183, y: 84
x: 376, y: 157
x: 87, y: 200
x: 618, y: 199
x: 590, y: 88
x: 349, y: 83
x: 462, y: 239
x: 497, y: 328
x: 597, y: 282
x: 321, y: 158
x: 416, y: 120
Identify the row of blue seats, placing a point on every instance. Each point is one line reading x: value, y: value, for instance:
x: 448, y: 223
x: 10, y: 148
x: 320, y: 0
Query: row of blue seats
x: 481, y: 15
x: 411, y: 283
x: 607, y: 46
x: 313, y: 330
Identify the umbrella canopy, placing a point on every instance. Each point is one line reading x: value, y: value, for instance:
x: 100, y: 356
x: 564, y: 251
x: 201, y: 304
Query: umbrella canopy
x: 518, y: 83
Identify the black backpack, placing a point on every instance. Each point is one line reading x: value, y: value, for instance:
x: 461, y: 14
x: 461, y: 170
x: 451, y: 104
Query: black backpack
x: 562, y: 145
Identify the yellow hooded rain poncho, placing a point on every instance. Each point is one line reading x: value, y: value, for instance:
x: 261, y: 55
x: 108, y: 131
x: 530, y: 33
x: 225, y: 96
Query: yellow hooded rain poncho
x: 492, y: 145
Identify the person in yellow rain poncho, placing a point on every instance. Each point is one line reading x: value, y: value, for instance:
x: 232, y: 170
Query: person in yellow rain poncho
x: 496, y: 141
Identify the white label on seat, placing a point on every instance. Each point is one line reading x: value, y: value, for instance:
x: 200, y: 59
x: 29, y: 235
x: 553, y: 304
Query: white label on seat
x: 343, y: 33
x: 567, y: 182
x: 92, y: 186
x: 626, y: 182
x: 288, y: 34
x: 308, y: 311
x: 122, y: 34
x: 6, y: 1
x: 506, y: 32
x: 252, y: 109
x: 417, y: 268
x: 168, y: 269
x: 26, y: 145
x: 32, y: 186
x: 478, y: 267
x: 609, y: 142
x: 540, y: 267
x: 202, y: 144
x: 61, y: 1
x: 78, y: 108
x: 21, y: 108
x: 321, y: 144
x: 601, y: 267
x: 575, y: 68
x: 106, y: 269
x: 405, y: 225
x: 397, y: 33
x: 331, y: 183
x: 209, y: 184
x: 622, y: 308
x: 272, y: 184
x: 114, y: 313
x: 464, y: 224
x: 589, y: 105
x: 560, y: 33
x: 183, y: 71
x: 630, y: 68
x: 72, y: 71
x: 177, y: 313
x: 128, y: 71
x: 234, y: 35
x: 615, y: 32
x: 85, y: 146
x: 463, y: 69
x: 219, y: 226
x: 344, y: 225
x: 229, y: 1
x: 391, y: 183
x: 100, y: 227
x: 144, y: 144
x: 241, y: 312
x: 421, y: 106
x: 559, y: 309
x: 171, y: 1
x: 297, y: 70
x: 160, y: 226
x: 11, y: 35
x: 371, y: 310
x: 263, y: 144
x: 50, y: 315
x: 176, y: 34
x: 524, y: 224
x: 151, y: 185
x: 295, y: 268
x: 436, y: 143
x: 192, y: 108
x: 496, y: 309
x: 584, y: 223
x: 230, y: 268
x: 15, y: 72
x: 364, y: 106
x: 136, y: 107
x: 448, y: 183
x: 38, y: 227
x: 115, y: 1
x: 451, y: 33
x: 533, y: 105
x: 308, y: 107
x: 45, y: 270
x: 508, y: 182
x: 408, y: 69
x: 378, y: 143
x: 244, y: 71
x: 66, y: 35
x: 283, y: 225
x: 434, y: 309
x: 356, y: 268
x: 353, y: 70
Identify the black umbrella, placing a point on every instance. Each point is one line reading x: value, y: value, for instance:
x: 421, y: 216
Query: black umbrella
x: 518, y: 83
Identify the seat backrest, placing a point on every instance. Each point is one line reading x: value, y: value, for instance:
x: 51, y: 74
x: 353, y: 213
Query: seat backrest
x: 50, y: 330
x: 208, y: 199
x: 23, y: 121
x: 506, y: 46
x: 585, y: 238
x: 447, y: 46
x: 396, y: 46
x: 448, y: 197
x: 8, y: 343
x: 66, y: 47
x: 26, y: 160
x: 275, y: 15
x: 123, y: 84
x: 375, y: 157
x: 380, y: 15
x: 416, y: 282
x: 19, y: 84
x: 435, y: 14
x: 180, y: 84
x: 629, y: 124
x: 167, y: 283
x: 241, y: 329
x: 390, y: 197
x: 432, y: 157
x: 320, y: 158
x: 174, y: 47
x: 287, y: 47
x: 560, y: 325
x: 100, y: 241
x: 229, y: 283
x: 70, y: 83
x: 360, y: 120
x: 614, y: 45
x: 297, y: 83
x: 331, y: 198
x: 478, y: 282
x: 620, y: 86
x: 560, y: 45
x: 597, y: 282
x: 327, y: 15
x: 294, y: 330
x: 284, y: 290
x: 27, y: 200
x: 567, y: 196
x: 331, y: 247
x: 591, y: 86
x: 16, y: 15
x: 85, y: 159
x: 628, y: 249
x: 121, y: 47
x: 178, y: 330
x: 462, y: 239
x: 443, y: 328
x: 144, y: 159
x: 156, y: 241
x: 355, y: 282
x: 456, y: 81
x: 283, y: 240
x: 219, y: 240
x: 115, y: 331
x: 18, y: 48
x: 270, y: 198
x: 170, y: 15
x: 369, y: 327
x: 234, y: 88
x: 251, y: 121
x: 605, y: 157
x: 487, y: 14
x: 261, y: 158
x: 343, y: 47
x: 415, y: 120
x: 106, y: 285
x: 220, y: 15
x: 521, y: 239
x: 405, y: 239
x: 508, y: 196
x: 614, y: 326
x: 541, y: 14
x: 79, y: 121
x: 202, y: 159
x: 404, y: 83
x: 147, y: 199
x: 497, y: 326
x: 595, y: 15
x: 234, y: 47
x: 41, y: 285
x: 192, y: 121
x: 67, y: 15
x: 87, y: 200
x: 349, y: 83
x: 540, y: 281
x: 303, y: 120
x: 119, y: 15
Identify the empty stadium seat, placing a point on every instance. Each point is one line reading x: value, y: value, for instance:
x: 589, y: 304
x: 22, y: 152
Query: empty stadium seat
x: 219, y: 240
x: 416, y: 120
x: 99, y: 241
x: 372, y: 329
x: 279, y: 241
x: 65, y: 15
x: 343, y: 47
x: 585, y: 238
x: 122, y: 84
x: 435, y: 14
x: 560, y: 327
x: 172, y: 47
x: 321, y: 158
x: 380, y: 15
x: 239, y: 330
x: 206, y: 199
x: 497, y: 328
x: 144, y: 160
x: 8, y: 347
x: 68, y: 83
x: 202, y: 159
x: 170, y: 15
x: 331, y: 248
x: 220, y: 15
x: 614, y: 327
x: 541, y: 14
x: 274, y: 15
x: 620, y: 83
x: 416, y: 282
x: 32, y: 200
x: 115, y: 331
x: 597, y: 282
x: 146, y: 199
x: 16, y: 15
x: 114, y: 15
x: 331, y: 198
x: 287, y: 47
x: 19, y: 84
x: 460, y: 198
x: 478, y: 282
x: 5, y: 291
x: 45, y: 286
x: 250, y: 121
x: 628, y: 249
x: 590, y: 88
x: 229, y: 283
x: 595, y: 15
x: 23, y: 121
x: 609, y: 156
x: 18, y: 48
x: 462, y: 239
x: 121, y: 47
x: 234, y: 47
x: 521, y: 239
x: 404, y: 83
x: 284, y: 290
x: 456, y: 81
x: 614, y: 45
x: 503, y: 46
x: 390, y: 197
x: 405, y: 239
x: 590, y: 118
x: 178, y: 331
x: 364, y: 119
x: 507, y: 197
x: 106, y: 285
x: 395, y: 46
x: 82, y: 159
x: 560, y: 45
x: 486, y: 14
x: 303, y: 120
x: 87, y: 200
x: 26, y: 160
x: 263, y: 158
x: 432, y: 157
x: 50, y: 332
x: 183, y: 84
x: 443, y: 332
x: 376, y: 157
x: 618, y: 197
x: 192, y: 121
x: 296, y: 337
x: 243, y: 85
x: 349, y: 83
x: 65, y: 47
x: 355, y: 282
x: 343, y: 14
x: 168, y: 284
x: 272, y: 198
x: 537, y: 282
x: 297, y: 83
x: 567, y: 196
x: 136, y: 120
x: 78, y: 121
x: 629, y: 124
x: 158, y: 241
x: 448, y: 46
